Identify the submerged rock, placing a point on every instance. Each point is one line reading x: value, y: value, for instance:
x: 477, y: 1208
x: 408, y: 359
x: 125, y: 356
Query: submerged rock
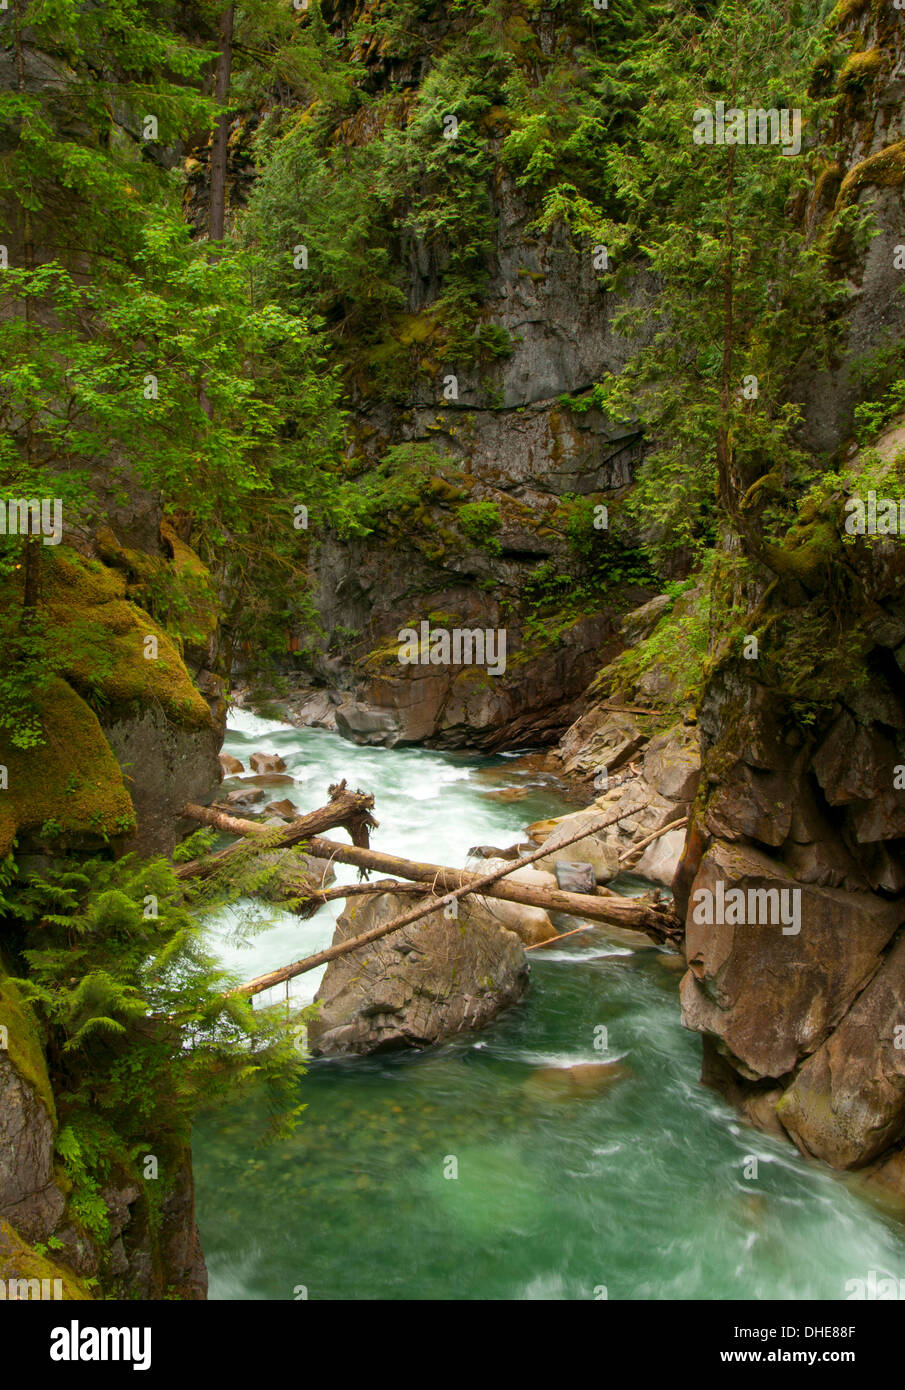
x: 267, y: 762
x: 581, y: 1081
x: 419, y: 985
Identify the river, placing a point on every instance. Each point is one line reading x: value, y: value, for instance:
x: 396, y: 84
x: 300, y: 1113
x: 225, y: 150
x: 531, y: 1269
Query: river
x: 478, y: 1169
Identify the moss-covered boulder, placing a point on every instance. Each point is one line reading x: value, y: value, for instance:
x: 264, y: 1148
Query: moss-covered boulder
x: 29, y: 1198
x: 68, y: 792
x: 26, y: 1273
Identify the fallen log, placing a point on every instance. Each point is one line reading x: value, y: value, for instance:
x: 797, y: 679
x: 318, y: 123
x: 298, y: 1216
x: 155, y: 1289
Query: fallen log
x: 649, y: 839
x: 654, y: 919
x: 633, y: 913
x: 347, y: 809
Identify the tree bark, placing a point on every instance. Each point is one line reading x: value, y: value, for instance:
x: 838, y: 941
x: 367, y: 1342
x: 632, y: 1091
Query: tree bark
x: 352, y: 810
x: 219, y: 147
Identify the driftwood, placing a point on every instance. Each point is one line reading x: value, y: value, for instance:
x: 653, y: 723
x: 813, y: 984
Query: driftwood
x: 352, y: 810
x: 649, y: 839
x: 654, y: 919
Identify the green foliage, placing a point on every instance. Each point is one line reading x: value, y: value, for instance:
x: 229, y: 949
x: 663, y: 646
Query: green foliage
x: 741, y: 292
x: 481, y: 521
x: 139, y: 1031
x: 872, y: 417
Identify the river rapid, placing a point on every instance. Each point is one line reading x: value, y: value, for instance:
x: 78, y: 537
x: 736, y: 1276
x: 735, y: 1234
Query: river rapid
x: 484, y: 1168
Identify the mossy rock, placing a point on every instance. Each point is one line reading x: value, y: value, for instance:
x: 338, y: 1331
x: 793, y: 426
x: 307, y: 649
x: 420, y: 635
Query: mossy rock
x: 103, y: 639
x: 859, y: 70
x: 810, y: 547
x: 847, y: 10
x: 71, y: 782
x: 885, y: 169
x: 23, y: 1042
x: 21, y: 1261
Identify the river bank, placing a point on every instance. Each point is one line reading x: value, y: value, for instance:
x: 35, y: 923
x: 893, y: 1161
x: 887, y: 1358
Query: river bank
x: 575, y: 1168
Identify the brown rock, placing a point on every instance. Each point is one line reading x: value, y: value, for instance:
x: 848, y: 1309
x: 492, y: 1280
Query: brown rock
x: 230, y: 764
x: 266, y: 762
x: 583, y: 1081
x: 773, y: 998
x: 847, y: 1103
x: 240, y: 800
x: 284, y: 808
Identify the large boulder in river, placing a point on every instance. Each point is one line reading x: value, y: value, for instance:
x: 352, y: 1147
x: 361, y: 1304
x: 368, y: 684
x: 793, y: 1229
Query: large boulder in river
x: 267, y: 762
x: 554, y: 836
x: 530, y: 924
x: 419, y: 985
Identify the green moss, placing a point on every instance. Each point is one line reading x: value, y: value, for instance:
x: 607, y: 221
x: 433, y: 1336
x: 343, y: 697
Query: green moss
x: 72, y: 783
x: 24, y: 1043
x: 885, y: 169
x: 21, y: 1261
x: 809, y: 549
x: 102, y: 637
x: 847, y: 10
x: 859, y: 70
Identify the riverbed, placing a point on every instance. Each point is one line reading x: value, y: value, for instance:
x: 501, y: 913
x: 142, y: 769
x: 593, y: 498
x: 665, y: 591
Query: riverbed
x: 508, y: 1164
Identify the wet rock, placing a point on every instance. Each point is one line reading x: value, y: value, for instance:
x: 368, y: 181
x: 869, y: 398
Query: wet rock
x: 847, y: 1103
x: 230, y: 764
x: 269, y: 779
x: 573, y: 876
x: 243, y: 799
x: 285, y: 809
x: 365, y: 724
x: 266, y: 762
x: 804, y: 984
x: 424, y: 983
x: 602, y: 855
x: 581, y: 1081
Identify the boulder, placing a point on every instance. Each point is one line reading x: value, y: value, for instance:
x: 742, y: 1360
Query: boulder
x: 363, y: 724
x: 267, y: 762
x: 243, y: 798
x: 660, y: 859
x: 771, y: 998
x: 602, y: 855
x: 269, y: 779
x: 847, y: 1103
x: 230, y: 764
x: 575, y: 877
x: 284, y: 809
x: 419, y: 985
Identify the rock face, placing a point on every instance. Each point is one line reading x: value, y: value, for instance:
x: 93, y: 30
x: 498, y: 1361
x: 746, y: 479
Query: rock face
x: 142, y: 1259
x: 421, y: 985
x: 460, y: 706
x: 801, y: 750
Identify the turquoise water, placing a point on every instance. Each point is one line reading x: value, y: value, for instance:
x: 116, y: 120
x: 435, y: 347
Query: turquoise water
x: 629, y: 1177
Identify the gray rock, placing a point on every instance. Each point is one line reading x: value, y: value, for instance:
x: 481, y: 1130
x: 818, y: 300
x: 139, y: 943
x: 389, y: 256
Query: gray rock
x: 417, y: 986
x: 573, y: 876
